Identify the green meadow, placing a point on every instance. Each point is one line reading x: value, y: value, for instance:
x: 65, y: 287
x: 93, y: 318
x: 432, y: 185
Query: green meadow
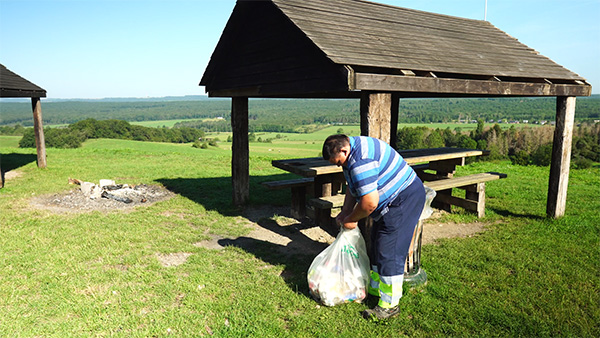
x: 96, y: 274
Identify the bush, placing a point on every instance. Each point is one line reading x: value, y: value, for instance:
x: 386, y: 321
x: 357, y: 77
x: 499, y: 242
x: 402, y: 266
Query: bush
x: 55, y: 138
x: 542, y: 156
x: 520, y: 158
x: 582, y: 163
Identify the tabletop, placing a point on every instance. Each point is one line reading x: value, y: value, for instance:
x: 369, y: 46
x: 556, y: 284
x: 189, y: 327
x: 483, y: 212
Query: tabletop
x: 317, y: 166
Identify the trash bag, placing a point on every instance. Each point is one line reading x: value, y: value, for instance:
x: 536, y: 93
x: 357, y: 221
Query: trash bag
x: 427, y: 209
x: 340, y: 273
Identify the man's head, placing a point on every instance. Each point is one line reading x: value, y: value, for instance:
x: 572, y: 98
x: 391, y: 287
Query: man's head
x: 336, y: 149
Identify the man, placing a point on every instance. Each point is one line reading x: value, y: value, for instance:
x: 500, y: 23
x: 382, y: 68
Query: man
x: 381, y: 185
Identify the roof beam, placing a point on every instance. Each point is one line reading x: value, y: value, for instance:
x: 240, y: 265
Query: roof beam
x: 415, y: 84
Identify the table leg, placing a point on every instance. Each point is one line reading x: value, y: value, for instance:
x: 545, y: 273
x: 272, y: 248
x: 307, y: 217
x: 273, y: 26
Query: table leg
x: 329, y: 184
x: 445, y: 169
x: 298, y: 202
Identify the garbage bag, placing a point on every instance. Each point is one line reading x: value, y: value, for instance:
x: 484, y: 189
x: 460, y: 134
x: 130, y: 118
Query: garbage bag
x: 427, y: 209
x: 340, y: 273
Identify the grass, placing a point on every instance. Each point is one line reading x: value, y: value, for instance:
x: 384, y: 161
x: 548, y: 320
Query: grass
x: 97, y: 274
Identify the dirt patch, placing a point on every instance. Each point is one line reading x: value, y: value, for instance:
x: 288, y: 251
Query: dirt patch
x: 9, y: 175
x: 76, y: 201
x: 290, y: 236
x: 434, y: 230
x: 274, y: 226
x: 173, y: 259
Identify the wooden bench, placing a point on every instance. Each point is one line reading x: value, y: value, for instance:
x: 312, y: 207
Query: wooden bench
x: 298, y: 187
x: 474, y: 186
x: 323, y: 206
x: 474, y: 200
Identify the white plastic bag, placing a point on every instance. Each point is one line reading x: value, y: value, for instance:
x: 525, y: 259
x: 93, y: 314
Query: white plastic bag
x: 340, y: 273
x: 427, y: 209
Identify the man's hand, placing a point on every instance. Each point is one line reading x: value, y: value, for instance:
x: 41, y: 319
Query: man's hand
x: 350, y: 225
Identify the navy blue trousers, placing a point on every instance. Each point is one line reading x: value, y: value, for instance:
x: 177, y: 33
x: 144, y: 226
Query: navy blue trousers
x: 392, y: 233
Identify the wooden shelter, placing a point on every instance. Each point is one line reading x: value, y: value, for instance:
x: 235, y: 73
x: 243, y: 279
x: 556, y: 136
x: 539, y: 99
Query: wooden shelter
x: 379, y: 54
x: 13, y: 85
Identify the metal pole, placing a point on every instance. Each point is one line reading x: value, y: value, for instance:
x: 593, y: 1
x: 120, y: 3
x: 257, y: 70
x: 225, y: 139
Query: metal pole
x: 485, y: 12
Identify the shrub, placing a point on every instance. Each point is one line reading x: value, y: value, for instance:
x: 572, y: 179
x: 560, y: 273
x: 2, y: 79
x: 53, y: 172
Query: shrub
x: 542, y: 156
x: 55, y: 138
x: 582, y: 163
x: 521, y: 157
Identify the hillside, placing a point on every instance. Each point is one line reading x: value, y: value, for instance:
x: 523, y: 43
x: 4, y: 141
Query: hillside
x: 293, y: 112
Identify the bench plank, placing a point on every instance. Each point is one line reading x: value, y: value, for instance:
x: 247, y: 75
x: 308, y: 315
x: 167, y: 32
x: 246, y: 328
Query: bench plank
x: 328, y: 202
x: 457, y: 182
x: 299, y: 189
x: 284, y: 184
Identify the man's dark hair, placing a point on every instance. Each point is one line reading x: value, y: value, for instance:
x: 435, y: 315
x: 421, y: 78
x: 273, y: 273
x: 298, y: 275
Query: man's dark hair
x: 333, y: 144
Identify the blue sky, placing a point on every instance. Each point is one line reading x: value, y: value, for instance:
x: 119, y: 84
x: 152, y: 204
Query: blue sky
x: 155, y: 48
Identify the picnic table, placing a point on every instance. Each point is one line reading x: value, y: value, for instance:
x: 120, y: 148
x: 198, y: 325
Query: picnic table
x: 435, y: 167
x: 329, y: 177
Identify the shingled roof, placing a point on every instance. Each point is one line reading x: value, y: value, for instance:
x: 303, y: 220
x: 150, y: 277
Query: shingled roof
x: 334, y: 48
x: 13, y: 85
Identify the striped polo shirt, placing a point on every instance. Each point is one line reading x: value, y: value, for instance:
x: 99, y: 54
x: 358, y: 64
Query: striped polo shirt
x: 374, y: 165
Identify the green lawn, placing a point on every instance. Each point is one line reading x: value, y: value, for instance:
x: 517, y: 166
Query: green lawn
x: 97, y: 274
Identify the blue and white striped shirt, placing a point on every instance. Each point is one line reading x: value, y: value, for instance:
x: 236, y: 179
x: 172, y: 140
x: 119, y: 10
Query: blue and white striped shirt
x: 374, y: 165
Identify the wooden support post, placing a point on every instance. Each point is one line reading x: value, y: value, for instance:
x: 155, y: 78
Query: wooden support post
x: 561, y: 156
x: 38, y: 127
x: 375, y: 115
x: 395, y: 109
x: 240, y: 167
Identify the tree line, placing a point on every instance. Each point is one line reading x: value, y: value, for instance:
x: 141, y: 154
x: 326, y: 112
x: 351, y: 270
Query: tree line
x: 75, y: 134
x: 523, y: 146
x: 279, y: 115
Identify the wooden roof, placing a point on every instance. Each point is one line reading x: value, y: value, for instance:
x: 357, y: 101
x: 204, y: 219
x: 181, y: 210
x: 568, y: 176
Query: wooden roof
x: 13, y: 85
x: 337, y: 48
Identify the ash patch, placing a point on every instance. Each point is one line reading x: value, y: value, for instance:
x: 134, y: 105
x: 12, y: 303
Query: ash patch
x: 76, y: 201
x: 173, y: 259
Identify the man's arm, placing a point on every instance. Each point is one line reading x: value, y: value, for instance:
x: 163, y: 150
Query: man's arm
x: 349, y: 203
x: 365, y: 206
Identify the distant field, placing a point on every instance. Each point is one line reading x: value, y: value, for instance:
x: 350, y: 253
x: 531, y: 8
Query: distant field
x: 161, y: 123
x: 9, y: 141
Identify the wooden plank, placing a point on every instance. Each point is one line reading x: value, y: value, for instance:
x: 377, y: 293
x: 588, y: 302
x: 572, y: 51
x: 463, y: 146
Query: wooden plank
x: 414, y: 156
x: 378, y: 82
x: 240, y: 168
x: 464, y: 180
x: 457, y: 201
x: 285, y: 184
x: 561, y: 157
x: 425, y: 65
x: 328, y: 202
x: 38, y: 127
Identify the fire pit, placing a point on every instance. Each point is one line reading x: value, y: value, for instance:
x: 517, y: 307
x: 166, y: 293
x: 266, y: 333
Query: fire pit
x: 105, y: 196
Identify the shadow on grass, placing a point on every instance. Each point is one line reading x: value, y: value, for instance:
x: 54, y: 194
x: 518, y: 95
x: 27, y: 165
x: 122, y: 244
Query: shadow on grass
x: 508, y: 213
x: 295, y: 256
x: 13, y: 161
x: 215, y: 193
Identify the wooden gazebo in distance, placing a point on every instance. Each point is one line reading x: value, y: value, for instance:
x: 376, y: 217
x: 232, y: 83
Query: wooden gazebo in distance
x: 13, y: 85
x: 379, y: 54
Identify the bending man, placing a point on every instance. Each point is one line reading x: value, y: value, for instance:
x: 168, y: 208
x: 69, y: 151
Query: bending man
x: 381, y: 185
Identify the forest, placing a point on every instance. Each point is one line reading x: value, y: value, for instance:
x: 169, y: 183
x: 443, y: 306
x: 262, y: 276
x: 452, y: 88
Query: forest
x: 293, y: 115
